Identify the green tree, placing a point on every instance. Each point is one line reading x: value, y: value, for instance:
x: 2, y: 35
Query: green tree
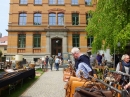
x: 110, y: 22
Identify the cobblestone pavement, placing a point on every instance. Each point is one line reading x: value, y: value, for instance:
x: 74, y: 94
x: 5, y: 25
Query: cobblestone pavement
x: 50, y: 84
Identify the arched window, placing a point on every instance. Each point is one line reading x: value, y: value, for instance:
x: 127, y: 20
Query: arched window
x: 22, y: 18
x: 52, y: 19
x: 75, y: 18
x: 60, y: 19
x: 60, y: 1
x: 88, y: 2
x: 52, y: 1
x: 74, y: 2
x: 37, y: 19
x: 37, y: 1
x: 88, y: 16
x: 23, y: 1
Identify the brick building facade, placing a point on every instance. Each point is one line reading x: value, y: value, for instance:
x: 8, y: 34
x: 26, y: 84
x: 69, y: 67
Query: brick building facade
x: 48, y: 27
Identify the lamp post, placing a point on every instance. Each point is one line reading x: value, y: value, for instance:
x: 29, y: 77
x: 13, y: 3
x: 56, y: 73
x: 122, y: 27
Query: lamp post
x: 118, y: 44
x: 18, y: 58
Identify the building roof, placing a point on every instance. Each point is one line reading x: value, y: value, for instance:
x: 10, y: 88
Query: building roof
x: 3, y: 40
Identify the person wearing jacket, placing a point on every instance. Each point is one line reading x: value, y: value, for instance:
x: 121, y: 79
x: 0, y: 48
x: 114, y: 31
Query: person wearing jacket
x: 82, y: 63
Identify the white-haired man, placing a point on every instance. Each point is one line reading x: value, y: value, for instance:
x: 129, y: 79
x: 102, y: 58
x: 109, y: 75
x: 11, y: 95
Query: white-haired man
x: 82, y: 63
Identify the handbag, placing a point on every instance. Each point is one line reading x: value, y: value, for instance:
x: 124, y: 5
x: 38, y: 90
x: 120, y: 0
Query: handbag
x: 88, y: 92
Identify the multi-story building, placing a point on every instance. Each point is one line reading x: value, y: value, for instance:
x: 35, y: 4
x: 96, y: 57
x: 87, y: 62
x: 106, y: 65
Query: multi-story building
x: 3, y: 44
x: 48, y: 27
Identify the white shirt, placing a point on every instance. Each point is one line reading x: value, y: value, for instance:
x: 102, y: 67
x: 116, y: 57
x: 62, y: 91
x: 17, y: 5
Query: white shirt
x: 57, y: 60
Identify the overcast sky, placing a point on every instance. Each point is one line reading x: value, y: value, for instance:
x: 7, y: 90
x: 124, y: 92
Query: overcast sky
x: 4, y: 16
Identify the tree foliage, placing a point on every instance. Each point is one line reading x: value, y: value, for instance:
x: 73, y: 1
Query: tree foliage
x: 110, y: 23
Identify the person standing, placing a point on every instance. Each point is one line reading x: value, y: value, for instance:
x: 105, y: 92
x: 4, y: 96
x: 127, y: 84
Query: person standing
x: 51, y: 62
x: 92, y: 60
x: 99, y: 59
x: 46, y: 60
x: 43, y: 64
x: 61, y: 60
x: 103, y: 60
x: 124, y: 66
x: 82, y: 63
x: 57, y: 62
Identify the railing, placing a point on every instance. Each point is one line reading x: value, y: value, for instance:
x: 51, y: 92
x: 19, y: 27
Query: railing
x: 21, y: 51
x: 36, y: 50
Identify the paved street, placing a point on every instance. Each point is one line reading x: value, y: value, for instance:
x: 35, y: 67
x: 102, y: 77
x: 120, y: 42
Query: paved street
x: 50, y: 84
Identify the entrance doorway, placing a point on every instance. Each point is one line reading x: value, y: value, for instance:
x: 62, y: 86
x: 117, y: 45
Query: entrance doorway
x: 56, y: 46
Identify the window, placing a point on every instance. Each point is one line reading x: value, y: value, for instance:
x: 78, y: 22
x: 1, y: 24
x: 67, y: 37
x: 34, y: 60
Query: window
x: 21, y: 41
x: 88, y: 2
x: 52, y: 19
x: 74, y: 2
x: 60, y: 1
x: 60, y: 19
x: 56, y: 21
x: 23, y: 1
x: 56, y: 2
x: 75, y: 19
x: 36, y: 40
x: 75, y: 40
x: 52, y: 1
x: 89, y: 41
x: 37, y: 19
x: 5, y: 48
x: 88, y: 16
x: 37, y: 1
x: 22, y: 18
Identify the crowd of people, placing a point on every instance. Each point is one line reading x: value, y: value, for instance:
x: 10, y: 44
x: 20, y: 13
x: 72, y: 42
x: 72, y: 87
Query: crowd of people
x: 84, y: 63
x: 52, y: 61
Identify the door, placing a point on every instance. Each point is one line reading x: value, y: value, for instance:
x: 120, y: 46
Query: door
x: 56, y: 46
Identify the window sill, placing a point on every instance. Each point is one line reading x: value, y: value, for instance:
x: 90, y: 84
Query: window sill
x: 38, y: 25
x: 75, y: 25
x: 74, y: 4
x: 56, y: 4
x: 37, y: 4
x: 36, y: 47
x: 89, y: 5
x: 55, y: 25
x: 22, y: 25
x: 21, y: 48
x: 23, y: 4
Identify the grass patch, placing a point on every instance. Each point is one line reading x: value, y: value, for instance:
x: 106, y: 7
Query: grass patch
x: 21, y: 89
